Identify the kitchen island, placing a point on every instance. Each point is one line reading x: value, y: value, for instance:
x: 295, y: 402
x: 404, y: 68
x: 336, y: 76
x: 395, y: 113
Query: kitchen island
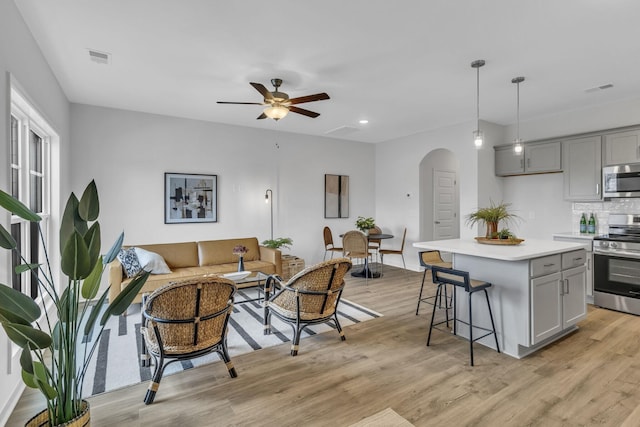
x: 538, y: 293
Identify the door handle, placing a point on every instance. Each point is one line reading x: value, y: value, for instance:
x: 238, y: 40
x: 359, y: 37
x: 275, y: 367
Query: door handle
x: 561, y: 283
x: 436, y: 222
x: 567, y: 282
x: 597, y: 188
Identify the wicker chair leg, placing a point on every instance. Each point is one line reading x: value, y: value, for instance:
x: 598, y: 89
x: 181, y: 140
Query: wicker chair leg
x: 155, y: 381
x: 267, y: 321
x: 297, y: 331
x: 224, y: 354
x: 338, y: 327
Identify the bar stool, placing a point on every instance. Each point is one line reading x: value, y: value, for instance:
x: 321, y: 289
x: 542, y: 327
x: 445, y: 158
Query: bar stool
x: 448, y: 276
x: 428, y: 259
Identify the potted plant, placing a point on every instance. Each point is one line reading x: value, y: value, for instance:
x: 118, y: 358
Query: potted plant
x: 491, y: 216
x: 365, y: 224
x: 280, y: 242
x: 53, y: 358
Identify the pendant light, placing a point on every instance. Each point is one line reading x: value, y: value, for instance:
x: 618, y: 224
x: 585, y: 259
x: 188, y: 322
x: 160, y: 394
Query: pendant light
x: 517, y: 143
x: 478, y: 137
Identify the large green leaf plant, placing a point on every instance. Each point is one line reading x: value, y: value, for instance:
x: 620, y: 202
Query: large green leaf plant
x: 54, y: 359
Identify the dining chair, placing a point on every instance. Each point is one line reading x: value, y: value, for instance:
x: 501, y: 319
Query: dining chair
x: 400, y: 252
x: 374, y: 244
x: 329, y: 246
x: 356, y: 245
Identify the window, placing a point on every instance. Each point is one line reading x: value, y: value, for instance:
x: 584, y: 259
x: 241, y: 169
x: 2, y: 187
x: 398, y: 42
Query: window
x: 30, y: 181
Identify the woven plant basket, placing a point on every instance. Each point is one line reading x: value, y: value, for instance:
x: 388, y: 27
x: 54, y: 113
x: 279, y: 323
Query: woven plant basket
x: 42, y: 419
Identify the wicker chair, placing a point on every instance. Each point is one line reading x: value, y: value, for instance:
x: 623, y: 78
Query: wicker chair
x: 185, y: 320
x: 308, y: 298
x: 329, y: 246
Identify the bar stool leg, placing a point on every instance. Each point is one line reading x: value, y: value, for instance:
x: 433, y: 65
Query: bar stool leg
x: 455, y: 316
x: 433, y: 313
x: 424, y: 275
x: 491, y: 317
x: 446, y: 305
x: 470, y: 330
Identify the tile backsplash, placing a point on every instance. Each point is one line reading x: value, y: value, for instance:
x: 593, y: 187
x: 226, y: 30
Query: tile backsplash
x: 601, y: 211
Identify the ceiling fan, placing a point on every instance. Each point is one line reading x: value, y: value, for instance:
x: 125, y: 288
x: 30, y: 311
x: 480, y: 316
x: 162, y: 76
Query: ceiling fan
x: 279, y: 103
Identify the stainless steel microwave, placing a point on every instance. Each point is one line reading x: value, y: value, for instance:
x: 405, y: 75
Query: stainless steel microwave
x: 621, y: 180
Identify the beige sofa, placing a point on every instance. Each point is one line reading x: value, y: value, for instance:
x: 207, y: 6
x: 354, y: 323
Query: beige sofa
x: 192, y: 259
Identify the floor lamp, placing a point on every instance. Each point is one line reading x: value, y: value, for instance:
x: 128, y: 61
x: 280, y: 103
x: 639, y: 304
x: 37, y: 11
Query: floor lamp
x: 268, y: 197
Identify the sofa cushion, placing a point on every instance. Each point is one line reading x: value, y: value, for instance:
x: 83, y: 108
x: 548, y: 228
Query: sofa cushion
x: 152, y: 262
x: 129, y: 260
x: 176, y: 255
x: 213, y: 252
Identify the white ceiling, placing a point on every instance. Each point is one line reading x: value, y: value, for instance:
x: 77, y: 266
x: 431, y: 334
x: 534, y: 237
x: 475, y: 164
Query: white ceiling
x: 403, y: 65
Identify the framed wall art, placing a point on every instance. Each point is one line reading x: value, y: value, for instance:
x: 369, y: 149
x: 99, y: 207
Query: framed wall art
x: 190, y: 198
x: 336, y: 196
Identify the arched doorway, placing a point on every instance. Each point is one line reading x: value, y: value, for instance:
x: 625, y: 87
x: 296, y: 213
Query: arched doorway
x: 439, y: 196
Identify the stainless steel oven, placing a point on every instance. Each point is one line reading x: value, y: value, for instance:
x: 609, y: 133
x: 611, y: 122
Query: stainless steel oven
x: 621, y: 181
x: 616, y: 270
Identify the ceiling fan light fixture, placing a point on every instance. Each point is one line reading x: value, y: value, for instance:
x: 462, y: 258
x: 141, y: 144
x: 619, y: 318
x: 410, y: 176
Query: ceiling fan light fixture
x: 276, y: 111
x: 478, y: 137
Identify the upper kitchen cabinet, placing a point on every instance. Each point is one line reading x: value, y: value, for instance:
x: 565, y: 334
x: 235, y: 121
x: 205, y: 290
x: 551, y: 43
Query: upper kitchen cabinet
x: 622, y: 147
x: 582, y: 166
x: 541, y: 157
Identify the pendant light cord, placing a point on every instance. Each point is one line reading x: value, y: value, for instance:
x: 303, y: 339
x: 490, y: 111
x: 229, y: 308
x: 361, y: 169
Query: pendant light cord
x: 478, y: 97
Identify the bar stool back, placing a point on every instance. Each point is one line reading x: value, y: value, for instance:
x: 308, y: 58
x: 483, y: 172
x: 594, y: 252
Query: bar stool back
x: 428, y: 259
x: 460, y: 279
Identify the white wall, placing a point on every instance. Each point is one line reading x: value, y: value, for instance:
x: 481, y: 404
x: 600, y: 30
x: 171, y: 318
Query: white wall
x: 398, y: 173
x: 539, y: 198
x: 127, y: 153
x: 21, y: 57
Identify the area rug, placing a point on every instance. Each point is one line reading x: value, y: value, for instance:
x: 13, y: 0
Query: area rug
x: 385, y: 418
x: 117, y: 360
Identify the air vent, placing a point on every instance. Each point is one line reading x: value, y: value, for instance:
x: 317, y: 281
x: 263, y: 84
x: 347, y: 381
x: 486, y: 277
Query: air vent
x: 342, y: 131
x: 99, y: 57
x: 597, y: 88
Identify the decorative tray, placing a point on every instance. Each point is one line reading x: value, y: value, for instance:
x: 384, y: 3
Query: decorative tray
x: 504, y: 242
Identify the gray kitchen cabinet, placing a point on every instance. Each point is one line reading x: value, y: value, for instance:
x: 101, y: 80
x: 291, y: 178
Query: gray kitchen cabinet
x: 535, y: 158
x: 582, y: 167
x: 558, y: 299
x: 621, y: 148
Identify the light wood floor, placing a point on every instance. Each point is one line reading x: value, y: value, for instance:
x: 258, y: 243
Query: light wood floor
x: 591, y: 377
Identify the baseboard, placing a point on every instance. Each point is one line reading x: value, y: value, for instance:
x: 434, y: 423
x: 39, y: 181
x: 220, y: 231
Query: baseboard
x: 11, y: 403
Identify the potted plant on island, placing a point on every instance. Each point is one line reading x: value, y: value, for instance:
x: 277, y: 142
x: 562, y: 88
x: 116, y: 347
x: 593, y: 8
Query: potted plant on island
x: 491, y: 216
x: 54, y: 359
x: 365, y: 224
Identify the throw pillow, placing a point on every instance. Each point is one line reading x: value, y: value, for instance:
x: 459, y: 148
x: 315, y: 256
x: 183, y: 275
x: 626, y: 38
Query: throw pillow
x: 129, y: 261
x: 152, y: 262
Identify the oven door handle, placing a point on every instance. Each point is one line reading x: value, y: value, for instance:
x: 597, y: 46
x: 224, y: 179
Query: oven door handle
x: 619, y: 254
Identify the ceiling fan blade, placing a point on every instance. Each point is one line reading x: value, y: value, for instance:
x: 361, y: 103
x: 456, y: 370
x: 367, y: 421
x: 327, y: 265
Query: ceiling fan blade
x: 304, y: 112
x: 263, y: 90
x: 241, y: 103
x: 308, y: 98
x: 261, y: 116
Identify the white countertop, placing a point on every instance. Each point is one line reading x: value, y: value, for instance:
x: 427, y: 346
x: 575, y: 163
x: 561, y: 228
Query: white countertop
x: 530, y: 248
x: 574, y: 235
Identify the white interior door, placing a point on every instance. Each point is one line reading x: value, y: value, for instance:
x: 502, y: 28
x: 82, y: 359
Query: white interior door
x: 445, y: 216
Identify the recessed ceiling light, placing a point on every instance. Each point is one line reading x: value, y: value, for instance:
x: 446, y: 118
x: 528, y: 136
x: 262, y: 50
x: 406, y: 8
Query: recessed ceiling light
x: 363, y: 121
